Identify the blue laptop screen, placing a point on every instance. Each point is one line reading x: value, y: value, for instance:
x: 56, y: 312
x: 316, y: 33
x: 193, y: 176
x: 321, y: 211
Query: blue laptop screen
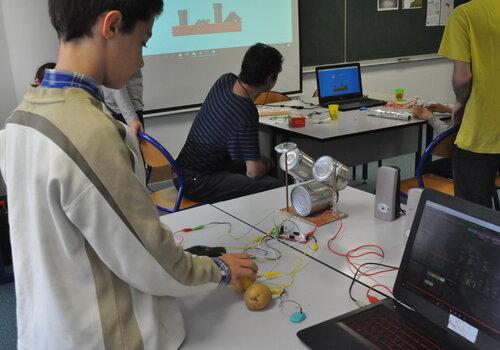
x: 339, y: 81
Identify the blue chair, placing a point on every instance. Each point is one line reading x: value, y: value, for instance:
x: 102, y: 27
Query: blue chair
x: 156, y: 156
x: 442, y: 146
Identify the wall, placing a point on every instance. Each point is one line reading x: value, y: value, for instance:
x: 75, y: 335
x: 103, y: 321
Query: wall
x: 30, y: 38
x: 427, y: 79
x: 7, y: 93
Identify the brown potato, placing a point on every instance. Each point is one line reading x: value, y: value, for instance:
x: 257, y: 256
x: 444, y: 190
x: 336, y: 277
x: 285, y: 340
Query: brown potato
x: 257, y: 296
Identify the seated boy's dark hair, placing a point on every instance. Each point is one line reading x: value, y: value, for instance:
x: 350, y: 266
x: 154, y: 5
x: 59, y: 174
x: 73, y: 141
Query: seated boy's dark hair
x: 41, y: 71
x: 260, y: 62
x: 74, y: 19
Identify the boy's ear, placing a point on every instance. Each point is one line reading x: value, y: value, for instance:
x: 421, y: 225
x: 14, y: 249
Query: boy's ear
x: 111, y: 24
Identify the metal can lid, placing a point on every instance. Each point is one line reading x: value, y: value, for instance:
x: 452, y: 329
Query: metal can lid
x: 301, y: 200
x: 293, y: 157
x: 323, y: 168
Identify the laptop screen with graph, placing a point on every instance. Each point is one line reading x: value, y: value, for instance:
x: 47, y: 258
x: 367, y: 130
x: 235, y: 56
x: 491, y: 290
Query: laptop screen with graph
x: 454, y: 266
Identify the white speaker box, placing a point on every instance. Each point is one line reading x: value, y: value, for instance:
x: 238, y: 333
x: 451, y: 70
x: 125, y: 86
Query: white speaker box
x: 387, y: 206
x: 411, y: 207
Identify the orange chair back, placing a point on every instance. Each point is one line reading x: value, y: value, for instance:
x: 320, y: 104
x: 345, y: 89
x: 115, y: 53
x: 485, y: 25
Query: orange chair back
x: 271, y: 97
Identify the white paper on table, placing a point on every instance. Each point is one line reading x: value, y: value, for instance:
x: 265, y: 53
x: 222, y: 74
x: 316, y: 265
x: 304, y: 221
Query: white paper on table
x: 447, y: 7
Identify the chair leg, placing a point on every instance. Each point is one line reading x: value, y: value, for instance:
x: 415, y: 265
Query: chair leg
x: 148, y: 173
x: 496, y: 201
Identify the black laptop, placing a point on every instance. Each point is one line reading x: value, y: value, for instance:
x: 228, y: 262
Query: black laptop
x: 341, y: 84
x: 447, y: 292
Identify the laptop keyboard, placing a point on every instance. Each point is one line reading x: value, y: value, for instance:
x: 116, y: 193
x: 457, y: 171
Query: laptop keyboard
x: 384, y: 330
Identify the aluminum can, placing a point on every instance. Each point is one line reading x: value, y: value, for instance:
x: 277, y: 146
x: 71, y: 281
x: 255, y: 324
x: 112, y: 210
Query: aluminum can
x: 331, y: 172
x: 300, y: 165
x: 311, y: 197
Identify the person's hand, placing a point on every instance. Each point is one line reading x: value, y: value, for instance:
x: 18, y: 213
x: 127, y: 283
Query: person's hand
x: 457, y: 113
x: 439, y: 108
x: 241, y: 265
x: 268, y: 163
x: 135, y: 126
x: 420, y: 112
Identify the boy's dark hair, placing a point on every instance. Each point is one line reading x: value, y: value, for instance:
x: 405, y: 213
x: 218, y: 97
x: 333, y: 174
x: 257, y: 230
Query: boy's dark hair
x: 260, y: 62
x: 41, y: 71
x: 74, y: 19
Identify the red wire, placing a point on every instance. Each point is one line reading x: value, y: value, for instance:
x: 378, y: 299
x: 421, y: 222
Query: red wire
x: 373, y: 299
x: 181, y: 238
x: 349, y: 255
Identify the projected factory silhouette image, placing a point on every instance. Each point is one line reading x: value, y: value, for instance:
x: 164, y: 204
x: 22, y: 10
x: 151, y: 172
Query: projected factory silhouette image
x: 232, y: 23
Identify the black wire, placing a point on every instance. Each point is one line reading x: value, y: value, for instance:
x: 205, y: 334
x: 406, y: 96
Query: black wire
x: 267, y: 239
x: 357, y: 271
x: 288, y: 301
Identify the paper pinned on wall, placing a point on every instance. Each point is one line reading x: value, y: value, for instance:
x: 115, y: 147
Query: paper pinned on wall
x: 412, y: 4
x: 447, y: 7
x: 387, y: 5
x: 438, y: 12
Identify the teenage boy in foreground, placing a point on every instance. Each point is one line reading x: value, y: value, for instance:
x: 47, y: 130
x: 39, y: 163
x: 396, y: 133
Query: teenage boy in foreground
x: 94, y: 267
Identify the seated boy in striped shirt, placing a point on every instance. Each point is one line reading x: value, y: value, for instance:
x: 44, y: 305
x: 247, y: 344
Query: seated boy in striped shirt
x: 221, y: 157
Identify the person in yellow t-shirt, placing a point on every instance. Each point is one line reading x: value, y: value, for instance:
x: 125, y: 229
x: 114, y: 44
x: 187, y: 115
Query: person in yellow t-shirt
x: 472, y: 40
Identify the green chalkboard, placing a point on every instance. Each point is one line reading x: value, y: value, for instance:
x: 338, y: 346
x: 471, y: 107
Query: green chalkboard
x: 322, y: 25
x: 367, y: 33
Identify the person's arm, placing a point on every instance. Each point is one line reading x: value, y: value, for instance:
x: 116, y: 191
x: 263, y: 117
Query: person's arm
x: 438, y: 125
x: 121, y: 226
x: 462, y: 84
x: 127, y: 109
x: 423, y: 113
x: 439, y: 108
x: 257, y: 168
x: 244, y: 146
x: 456, y: 46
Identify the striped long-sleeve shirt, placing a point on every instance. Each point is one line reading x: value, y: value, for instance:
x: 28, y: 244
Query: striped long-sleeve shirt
x: 225, y: 129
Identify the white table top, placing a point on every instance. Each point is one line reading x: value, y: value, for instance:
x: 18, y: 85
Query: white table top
x: 360, y: 227
x: 348, y: 123
x: 220, y: 320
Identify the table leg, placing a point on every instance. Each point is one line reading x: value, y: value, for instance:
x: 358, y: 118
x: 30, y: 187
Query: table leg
x: 418, y: 154
x: 429, y: 135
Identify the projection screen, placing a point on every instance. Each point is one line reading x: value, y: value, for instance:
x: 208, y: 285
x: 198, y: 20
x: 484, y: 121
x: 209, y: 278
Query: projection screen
x: 195, y: 42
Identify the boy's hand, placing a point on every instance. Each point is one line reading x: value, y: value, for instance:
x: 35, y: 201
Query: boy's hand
x: 241, y: 265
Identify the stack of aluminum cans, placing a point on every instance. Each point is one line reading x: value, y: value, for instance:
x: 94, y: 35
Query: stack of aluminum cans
x: 330, y: 177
